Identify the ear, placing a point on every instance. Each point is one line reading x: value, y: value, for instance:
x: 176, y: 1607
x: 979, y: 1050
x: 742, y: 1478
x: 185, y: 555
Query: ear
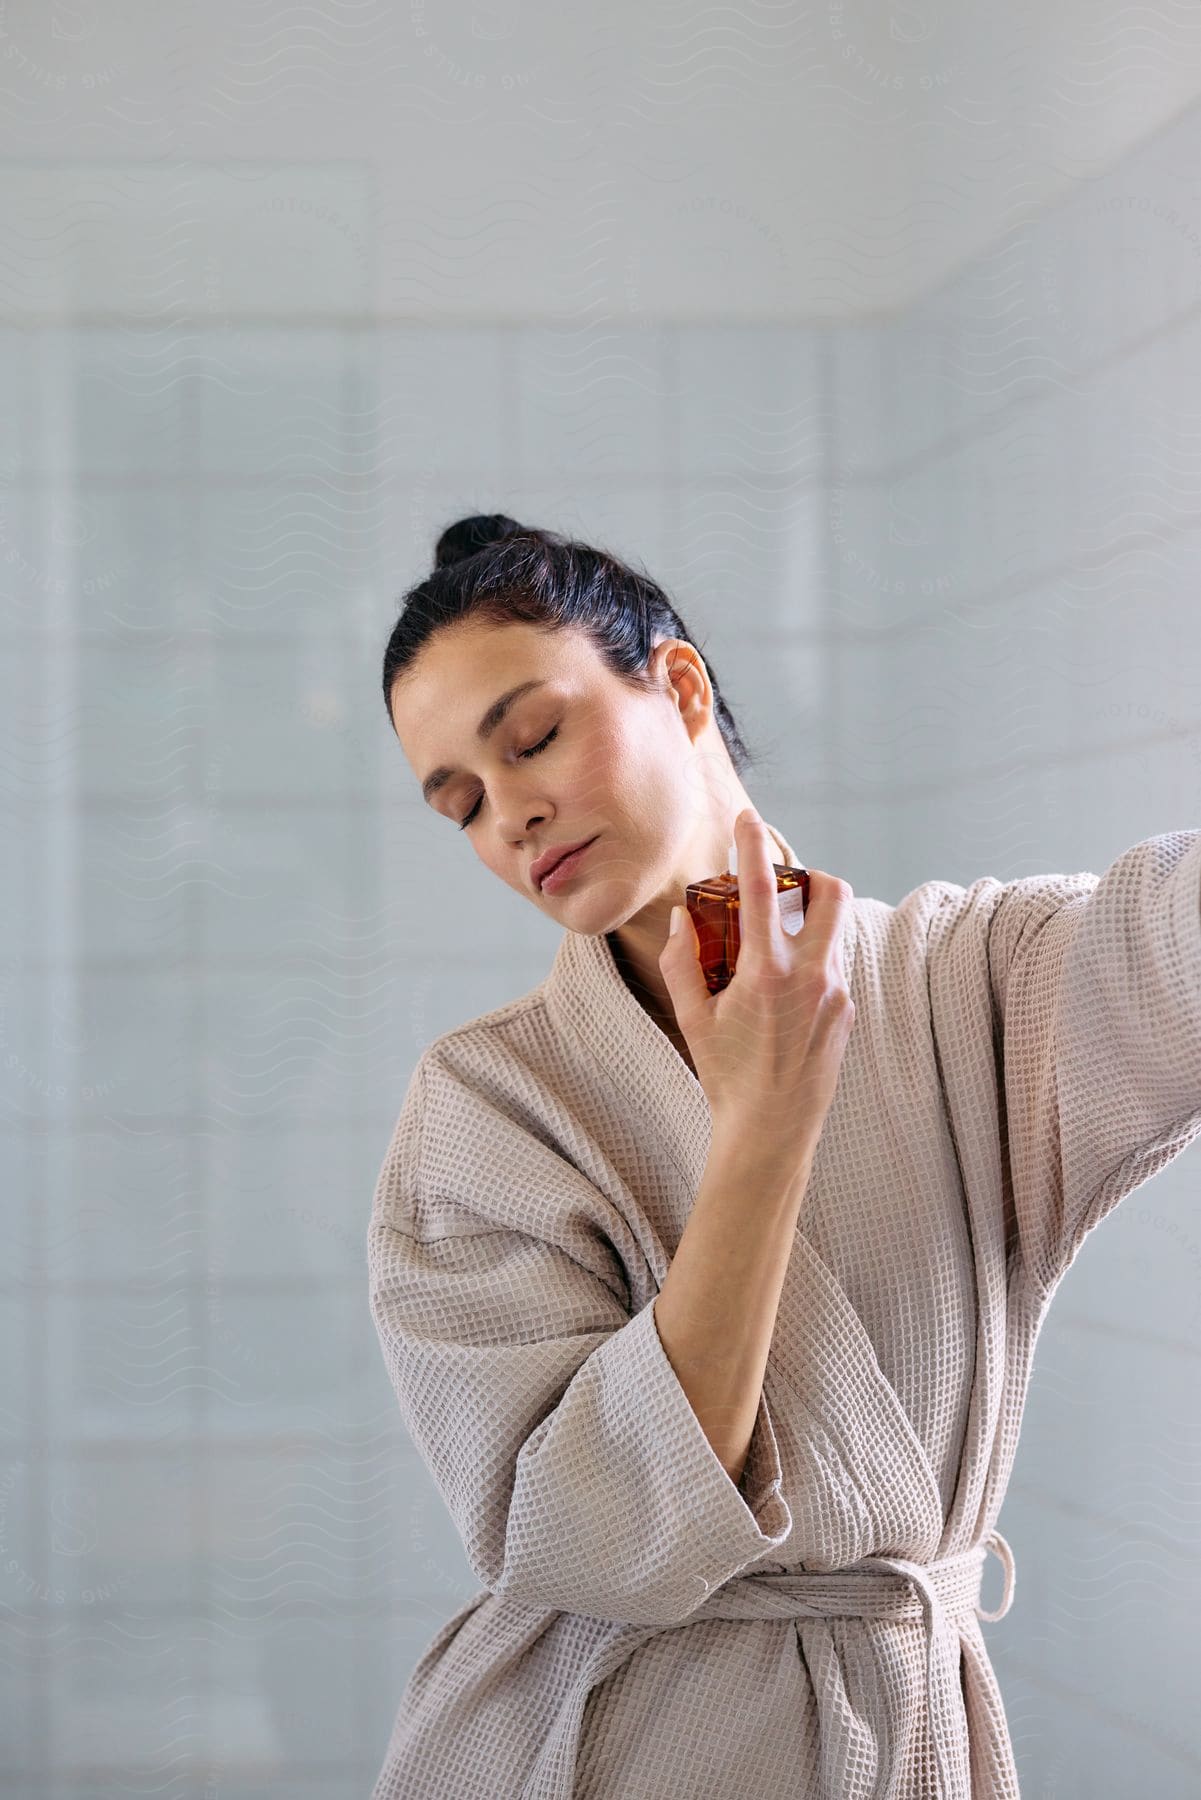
x: 681, y: 665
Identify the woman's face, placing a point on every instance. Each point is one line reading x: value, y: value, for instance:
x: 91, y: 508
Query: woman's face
x: 647, y: 775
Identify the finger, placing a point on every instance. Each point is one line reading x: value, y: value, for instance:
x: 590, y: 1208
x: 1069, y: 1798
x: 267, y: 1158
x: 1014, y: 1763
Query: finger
x: 680, y: 965
x: 759, y: 923
x: 830, y: 906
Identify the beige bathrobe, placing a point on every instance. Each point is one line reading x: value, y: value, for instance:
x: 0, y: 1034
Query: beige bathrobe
x: 1023, y: 1056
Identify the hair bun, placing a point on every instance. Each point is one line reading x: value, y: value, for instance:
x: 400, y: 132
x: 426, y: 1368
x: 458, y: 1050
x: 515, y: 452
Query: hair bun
x: 467, y: 536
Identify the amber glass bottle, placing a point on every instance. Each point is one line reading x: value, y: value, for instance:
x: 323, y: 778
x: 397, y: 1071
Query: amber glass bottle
x: 713, y: 908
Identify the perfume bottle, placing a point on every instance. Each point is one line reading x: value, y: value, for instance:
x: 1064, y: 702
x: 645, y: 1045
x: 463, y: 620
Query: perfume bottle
x: 713, y: 909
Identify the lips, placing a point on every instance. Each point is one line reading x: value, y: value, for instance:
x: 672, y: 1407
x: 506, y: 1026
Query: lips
x: 551, y: 858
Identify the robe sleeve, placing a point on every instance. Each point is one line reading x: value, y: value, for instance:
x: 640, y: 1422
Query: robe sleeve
x: 568, y: 1454
x: 1097, y: 988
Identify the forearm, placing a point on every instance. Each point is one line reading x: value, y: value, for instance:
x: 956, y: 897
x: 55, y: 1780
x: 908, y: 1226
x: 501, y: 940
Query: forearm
x: 716, y: 1312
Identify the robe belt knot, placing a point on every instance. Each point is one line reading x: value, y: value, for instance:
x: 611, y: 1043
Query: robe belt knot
x: 876, y: 1587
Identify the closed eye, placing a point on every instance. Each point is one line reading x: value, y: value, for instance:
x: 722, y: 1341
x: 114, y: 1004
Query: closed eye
x: 551, y: 735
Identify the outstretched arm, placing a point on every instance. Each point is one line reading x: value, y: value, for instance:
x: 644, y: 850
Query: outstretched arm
x: 1097, y: 988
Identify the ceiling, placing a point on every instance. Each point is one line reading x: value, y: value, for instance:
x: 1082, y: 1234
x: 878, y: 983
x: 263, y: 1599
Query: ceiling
x: 552, y: 162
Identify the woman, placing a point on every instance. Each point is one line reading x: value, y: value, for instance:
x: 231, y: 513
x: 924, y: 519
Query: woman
x: 713, y: 1316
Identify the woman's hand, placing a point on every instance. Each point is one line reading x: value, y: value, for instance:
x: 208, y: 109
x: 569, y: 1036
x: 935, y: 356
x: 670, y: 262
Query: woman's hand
x: 767, y: 1049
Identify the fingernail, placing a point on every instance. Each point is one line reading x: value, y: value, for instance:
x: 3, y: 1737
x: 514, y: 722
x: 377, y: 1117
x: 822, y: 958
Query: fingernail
x: 677, y: 913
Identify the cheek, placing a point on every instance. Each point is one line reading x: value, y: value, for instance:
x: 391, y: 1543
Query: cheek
x: 646, y: 755
x: 592, y: 754
x: 609, y: 768
x: 627, y: 742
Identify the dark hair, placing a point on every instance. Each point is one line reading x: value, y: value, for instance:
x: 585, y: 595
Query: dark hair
x: 489, y: 567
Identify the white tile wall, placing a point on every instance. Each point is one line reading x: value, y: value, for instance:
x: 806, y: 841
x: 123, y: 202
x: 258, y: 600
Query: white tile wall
x: 276, y: 403
x: 121, y: 1365
x: 283, y: 558
x: 435, y: 402
x: 589, y: 400
x: 128, y: 417
x: 748, y: 557
x: 282, y: 1201
x: 288, y: 1526
x: 127, y: 1206
x: 14, y: 1335
x: 748, y: 404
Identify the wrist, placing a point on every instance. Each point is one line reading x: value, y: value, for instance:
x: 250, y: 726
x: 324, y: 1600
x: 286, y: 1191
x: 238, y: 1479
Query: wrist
x: 759, y: 1153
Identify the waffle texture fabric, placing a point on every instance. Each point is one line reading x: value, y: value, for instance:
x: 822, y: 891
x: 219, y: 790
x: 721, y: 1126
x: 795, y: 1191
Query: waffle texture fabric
x: 1024, y: 1055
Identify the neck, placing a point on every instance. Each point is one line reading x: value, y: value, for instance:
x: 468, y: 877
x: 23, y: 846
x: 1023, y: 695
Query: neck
x: 644, y: 979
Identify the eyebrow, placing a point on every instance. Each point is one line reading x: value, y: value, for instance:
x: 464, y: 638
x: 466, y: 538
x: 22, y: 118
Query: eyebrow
x: 487, y: 725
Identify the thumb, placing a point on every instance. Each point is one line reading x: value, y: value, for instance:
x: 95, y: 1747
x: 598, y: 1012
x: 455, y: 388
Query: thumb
x: 680, y: 965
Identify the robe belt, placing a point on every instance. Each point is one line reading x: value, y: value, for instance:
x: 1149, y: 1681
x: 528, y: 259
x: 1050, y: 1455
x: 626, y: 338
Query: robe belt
x: 876, y: 1587
x: 869, y: 1590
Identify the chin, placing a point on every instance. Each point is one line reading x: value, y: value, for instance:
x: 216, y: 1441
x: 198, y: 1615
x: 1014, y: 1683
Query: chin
x: 586, y: 914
